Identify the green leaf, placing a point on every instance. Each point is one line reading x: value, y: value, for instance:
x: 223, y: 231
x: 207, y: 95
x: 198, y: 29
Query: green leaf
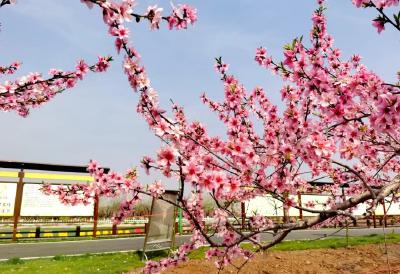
x: 287, y: 46
x: 397, y: 18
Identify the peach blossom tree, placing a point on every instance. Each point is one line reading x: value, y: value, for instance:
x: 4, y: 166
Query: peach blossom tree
x: 339, y: 125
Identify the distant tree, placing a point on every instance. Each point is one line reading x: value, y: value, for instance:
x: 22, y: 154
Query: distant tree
x: 108, y: 210
x: 142, y: 209
x: 209, y: 206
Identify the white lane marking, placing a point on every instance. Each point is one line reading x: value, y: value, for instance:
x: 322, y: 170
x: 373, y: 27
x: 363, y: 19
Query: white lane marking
x: 82, y: 241
x: 72, y: 255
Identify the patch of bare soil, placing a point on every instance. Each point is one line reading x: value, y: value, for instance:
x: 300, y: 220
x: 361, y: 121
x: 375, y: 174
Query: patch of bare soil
x: 366, y: 259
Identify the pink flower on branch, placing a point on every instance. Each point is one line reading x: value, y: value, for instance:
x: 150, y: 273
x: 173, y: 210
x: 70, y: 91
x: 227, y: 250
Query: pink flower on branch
x: 360, y: 3
x: 11, y: 69
x: 154, y: 16
x: 110, y: 184
x: 7, y: 2
x: 33, y: 90
x: 383, y: 18
x: 118, y: 13
x: 192, y: 170
x: 379, y: 24
x: 81, y: 69
x: 182, y: 16
x: 121, y: 32
x: 156, y: 189
x: 166, y: 156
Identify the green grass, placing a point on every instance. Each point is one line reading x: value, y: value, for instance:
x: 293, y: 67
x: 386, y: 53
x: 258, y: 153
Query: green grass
x: 336, y: 242
x: 333, y: 243
x: 107, y: 263
x: 122, y: 262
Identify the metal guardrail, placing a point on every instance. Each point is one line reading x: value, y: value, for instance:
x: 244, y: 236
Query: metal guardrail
x: 78, y: 231
x: 114, y: 231
x: 132, y: 230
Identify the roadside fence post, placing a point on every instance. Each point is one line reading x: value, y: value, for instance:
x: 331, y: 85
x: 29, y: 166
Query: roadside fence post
x: 114, y: 229
x: 37, y: 232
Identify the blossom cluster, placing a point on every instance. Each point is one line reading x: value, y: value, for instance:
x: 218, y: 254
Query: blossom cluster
x: 33, y: 90
x: 382, y: 19
x: 378, y: 3
x: 105, y: 184
x: 115, y: 13
x: 156, y: 189
x: 226, y: 257
x: 11, y: 69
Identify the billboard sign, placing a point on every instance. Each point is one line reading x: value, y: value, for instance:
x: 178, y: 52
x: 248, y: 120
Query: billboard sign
x: 160, y: 233
x: 7, y: 198
x: 268, y: 206
x: 35, y: 203
x: 264, y: 206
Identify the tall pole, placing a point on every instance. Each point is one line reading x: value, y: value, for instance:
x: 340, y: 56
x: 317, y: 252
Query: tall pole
x: 180, y: 198
x: 243, y: 213
x: 384, y: 213
x: 374, y: 219
x: 300, y: 205
x: 347, y: 223
x: 18, y: 202
x: 180, y: 221
x: 286, y: 217
x: 95, y: 214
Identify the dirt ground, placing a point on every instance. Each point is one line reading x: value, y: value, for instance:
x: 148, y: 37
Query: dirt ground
x: 366, y: 259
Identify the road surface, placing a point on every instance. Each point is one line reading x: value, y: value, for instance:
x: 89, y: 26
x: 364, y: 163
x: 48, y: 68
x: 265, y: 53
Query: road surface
x: 49, y: 249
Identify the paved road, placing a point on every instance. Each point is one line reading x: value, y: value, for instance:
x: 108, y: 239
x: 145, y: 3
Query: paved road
x: 44, y: 249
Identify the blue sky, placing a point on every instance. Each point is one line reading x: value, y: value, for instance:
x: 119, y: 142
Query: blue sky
x: 97, y: 119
